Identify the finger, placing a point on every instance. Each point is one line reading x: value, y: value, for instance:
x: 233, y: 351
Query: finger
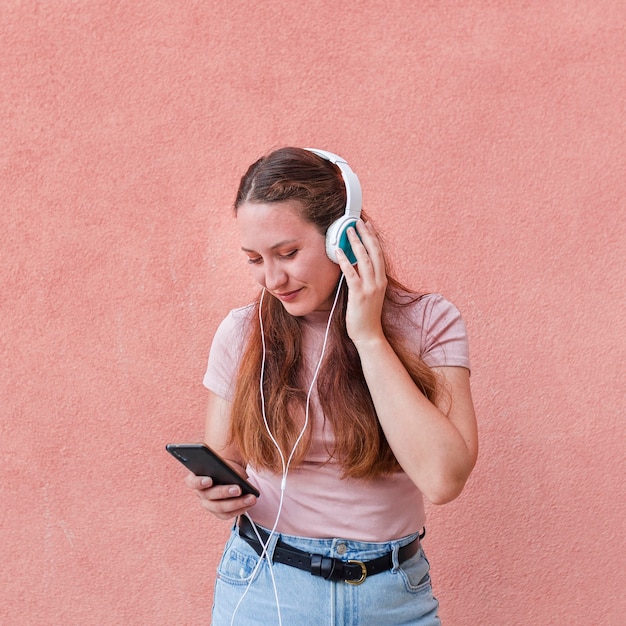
x: 221, y: 492
x: 367, y: 267
x: 230, y: 506
x: 375, y: 257
x: 198, y: 482
x: 346, y: 267
x: 359, y: 249
x: 371, y: 243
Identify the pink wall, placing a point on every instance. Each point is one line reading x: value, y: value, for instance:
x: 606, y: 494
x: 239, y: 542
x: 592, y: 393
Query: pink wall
x: 490, y: 141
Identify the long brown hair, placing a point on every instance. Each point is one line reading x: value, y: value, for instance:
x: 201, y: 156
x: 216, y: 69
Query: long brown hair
x: 360, y: 445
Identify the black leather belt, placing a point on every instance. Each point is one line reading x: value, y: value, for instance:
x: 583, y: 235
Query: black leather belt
x: 352, y: 572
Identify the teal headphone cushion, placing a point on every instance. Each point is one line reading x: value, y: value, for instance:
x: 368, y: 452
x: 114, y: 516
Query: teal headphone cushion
x: 337, y: 237
x: 344, y: 244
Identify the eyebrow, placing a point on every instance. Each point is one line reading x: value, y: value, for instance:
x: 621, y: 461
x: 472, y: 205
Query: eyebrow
x: 280, y: 244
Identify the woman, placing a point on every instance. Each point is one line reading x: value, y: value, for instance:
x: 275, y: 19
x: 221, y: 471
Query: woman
x: 345, y: 398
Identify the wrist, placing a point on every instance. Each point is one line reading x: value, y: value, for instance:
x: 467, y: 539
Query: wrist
x: 370, y: 345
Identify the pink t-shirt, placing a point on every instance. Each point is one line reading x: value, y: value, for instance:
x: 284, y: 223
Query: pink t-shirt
x: 317, y: 501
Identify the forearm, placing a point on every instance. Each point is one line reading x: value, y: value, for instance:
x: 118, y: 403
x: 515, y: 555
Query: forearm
x: 434, y: 451
x: 217, y: 427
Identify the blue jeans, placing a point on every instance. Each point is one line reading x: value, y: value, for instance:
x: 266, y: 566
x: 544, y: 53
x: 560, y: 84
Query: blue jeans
x: 245, y: 594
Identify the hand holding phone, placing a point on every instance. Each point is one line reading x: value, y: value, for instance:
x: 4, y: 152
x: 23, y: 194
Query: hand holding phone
x: 203, y: 461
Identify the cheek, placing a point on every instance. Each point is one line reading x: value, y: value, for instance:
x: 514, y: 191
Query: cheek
x: 257, y: 273
x: 329, y: 275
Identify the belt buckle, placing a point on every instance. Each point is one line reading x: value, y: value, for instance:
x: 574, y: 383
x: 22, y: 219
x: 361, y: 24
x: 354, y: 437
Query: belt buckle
x: 359, y: 581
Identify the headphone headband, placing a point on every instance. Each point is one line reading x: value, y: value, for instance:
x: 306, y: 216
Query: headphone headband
x: 354, y: 196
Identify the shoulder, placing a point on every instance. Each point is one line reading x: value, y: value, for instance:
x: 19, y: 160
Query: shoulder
x: 233, y: 329
x: 439, y: 328
x: 423, y: 309
x: 226, y: 351
x: 436, y: 310
x: 236, y: 320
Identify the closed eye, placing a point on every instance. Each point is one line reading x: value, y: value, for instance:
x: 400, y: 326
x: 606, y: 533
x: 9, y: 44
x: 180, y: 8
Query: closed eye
x: 257, y: 260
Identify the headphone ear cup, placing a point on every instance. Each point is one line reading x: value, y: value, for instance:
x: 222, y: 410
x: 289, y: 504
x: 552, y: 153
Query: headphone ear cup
x: 337, y: 237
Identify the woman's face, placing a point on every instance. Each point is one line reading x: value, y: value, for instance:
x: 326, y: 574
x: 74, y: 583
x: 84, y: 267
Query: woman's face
x: 287, y: 256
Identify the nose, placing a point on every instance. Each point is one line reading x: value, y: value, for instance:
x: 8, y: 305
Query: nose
x: 275, y: 276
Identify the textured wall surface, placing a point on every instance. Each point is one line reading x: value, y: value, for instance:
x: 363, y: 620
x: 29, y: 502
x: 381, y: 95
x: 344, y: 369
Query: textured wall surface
x: 490, y: 142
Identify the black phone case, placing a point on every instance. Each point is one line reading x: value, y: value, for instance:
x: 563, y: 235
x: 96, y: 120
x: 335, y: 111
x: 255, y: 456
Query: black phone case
x: 202, y: 461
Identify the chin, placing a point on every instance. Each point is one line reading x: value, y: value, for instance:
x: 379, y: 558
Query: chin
x: 296, y: 310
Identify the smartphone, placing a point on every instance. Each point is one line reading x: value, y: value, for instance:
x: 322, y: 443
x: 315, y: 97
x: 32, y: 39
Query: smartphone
x: 202, y: 461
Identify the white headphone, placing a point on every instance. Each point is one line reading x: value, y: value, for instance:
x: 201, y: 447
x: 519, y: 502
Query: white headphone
x: 336, y: 236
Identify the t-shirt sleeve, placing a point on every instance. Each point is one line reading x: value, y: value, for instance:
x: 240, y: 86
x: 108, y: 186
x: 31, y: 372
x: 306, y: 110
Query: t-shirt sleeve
x: 444, y: 335
x: 226, y: 350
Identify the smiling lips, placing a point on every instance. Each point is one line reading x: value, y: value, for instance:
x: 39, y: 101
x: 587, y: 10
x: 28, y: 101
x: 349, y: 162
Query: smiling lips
x: 288, y: 296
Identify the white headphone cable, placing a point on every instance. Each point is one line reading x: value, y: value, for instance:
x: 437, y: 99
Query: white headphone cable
x: 285, y: 465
